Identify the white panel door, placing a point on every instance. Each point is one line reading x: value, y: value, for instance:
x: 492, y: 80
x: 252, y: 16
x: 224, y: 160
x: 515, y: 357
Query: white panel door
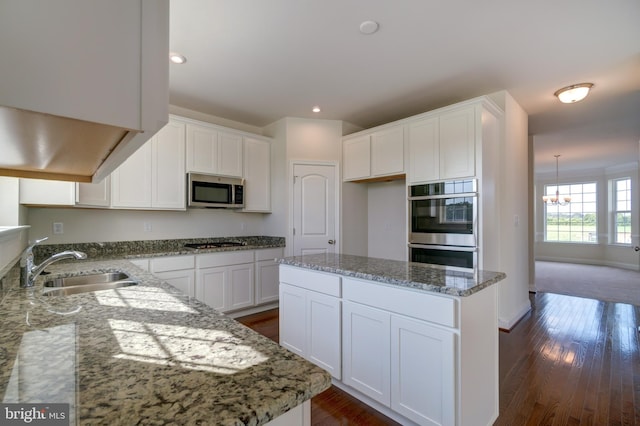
x: 323, y: 333
x: 424, y: 152
x: 314, y: 209
x: 457, y: 143
x: 366, y: 350
x: 240, y: 286
x: 266, y: 281
x: 202, y: 149
x: 229, y: 160
x: 182, y: 280
x: 168, y: 181
x: 210, y: 286
x: 422, y: 372
x: 292, y: 318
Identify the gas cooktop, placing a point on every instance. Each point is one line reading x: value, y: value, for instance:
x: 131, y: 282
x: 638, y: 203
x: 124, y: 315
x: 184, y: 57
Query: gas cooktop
x: 214, y: 244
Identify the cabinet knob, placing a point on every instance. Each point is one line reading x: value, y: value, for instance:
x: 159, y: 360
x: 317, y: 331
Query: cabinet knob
x: 332, y: 242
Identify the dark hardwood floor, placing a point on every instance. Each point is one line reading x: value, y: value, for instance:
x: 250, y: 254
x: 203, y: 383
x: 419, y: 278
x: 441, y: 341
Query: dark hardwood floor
x: 570, y: 361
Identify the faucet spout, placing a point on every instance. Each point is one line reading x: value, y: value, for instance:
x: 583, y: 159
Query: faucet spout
x: 29, y: 272
x: 70, y: 254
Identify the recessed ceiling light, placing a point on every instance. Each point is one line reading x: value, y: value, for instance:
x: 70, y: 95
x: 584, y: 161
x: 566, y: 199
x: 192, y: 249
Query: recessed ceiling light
x: 369, y: 27
x: 316, y: 109
x: 574, y: 93
x: 177, y: 58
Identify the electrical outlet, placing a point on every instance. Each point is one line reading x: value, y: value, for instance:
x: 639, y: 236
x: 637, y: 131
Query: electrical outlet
x: 58, y: 228
x: 147, y: 227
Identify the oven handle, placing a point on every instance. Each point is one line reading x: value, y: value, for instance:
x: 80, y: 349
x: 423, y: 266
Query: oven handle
x: 450, y: 248
x: 439, y: 197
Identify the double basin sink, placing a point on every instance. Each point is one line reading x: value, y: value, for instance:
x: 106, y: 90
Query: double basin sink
x: 65, y: 286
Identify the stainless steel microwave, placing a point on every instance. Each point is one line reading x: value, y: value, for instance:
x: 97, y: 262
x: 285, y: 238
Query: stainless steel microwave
x: 211, y: 191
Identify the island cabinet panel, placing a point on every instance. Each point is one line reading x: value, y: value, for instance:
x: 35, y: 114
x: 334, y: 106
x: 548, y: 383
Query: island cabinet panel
x: 310, y: 320
x: 422, y: 371
x: 367, y: 351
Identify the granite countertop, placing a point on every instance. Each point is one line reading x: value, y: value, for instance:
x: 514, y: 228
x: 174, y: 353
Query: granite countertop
x: 144, y: 354
x: 417, y: 276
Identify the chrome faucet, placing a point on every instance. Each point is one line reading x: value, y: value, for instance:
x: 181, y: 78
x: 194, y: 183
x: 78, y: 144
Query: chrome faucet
x: 29, y: 272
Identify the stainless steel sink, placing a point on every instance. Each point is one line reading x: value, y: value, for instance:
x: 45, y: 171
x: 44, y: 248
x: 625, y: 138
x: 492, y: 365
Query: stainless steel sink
x: 65, y: 286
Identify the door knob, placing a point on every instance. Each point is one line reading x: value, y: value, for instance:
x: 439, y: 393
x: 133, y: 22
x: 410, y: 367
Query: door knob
x: 334, y: 241
x: 636, y: 248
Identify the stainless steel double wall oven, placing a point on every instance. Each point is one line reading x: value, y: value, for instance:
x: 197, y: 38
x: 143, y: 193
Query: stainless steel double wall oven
x: 443, y: 223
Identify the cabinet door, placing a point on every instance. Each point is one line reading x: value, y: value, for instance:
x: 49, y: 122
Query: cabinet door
x: 47, y: 192
x: 202, y: 147
x: 131, y: 182
x: 266, y: 281
x: 457, y: 143
x: 94, y: 194
x: 422, y: 372
x: 366, y: 350
x: 182, y: 280
x: 356, y: 158
x: 210, y: 286
x: 292, y: 318
x: 323, y: 332
x: 387, y: 152
x: 229, y: 154
x: 168, y: 181
x: 240, y: 287
x: 424, y: 152
x: 257, y: 175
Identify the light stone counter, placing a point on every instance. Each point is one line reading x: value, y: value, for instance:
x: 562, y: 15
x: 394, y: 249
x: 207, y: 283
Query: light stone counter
x: 417, y: 276
x: 145, y: 354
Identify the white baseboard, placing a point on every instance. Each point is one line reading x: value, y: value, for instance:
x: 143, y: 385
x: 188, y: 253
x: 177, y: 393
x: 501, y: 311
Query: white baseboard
x: 508, y: 323
x: 598, y: 262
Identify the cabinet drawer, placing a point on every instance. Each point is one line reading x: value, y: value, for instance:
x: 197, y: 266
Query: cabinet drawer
x: 172, y: 263
x: 311, y: 280
x: 223, y: 259
x: 411, y: 303
x: 269, y: 254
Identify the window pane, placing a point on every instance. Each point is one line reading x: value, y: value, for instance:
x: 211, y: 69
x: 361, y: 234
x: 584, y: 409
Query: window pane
x: 575, y: 221
x: 622, y: 211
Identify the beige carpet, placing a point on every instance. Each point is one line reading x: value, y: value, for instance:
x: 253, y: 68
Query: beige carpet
x: 595, y: 282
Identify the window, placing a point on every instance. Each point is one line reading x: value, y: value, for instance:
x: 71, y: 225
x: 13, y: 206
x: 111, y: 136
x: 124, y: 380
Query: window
x: 576, y: 221
x: 621, y: 211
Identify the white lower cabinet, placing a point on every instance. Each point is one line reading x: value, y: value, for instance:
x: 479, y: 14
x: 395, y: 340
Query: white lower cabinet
x: 266, y: 279
x: 418, y: 357
x: 225, y: 280
x: 367, y: 350
x: 422, y: 371
x: 179, y: 271
x: 310, y: 320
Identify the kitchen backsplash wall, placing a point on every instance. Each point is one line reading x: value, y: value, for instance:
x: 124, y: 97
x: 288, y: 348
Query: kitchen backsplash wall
x: 90, y: 225
x: 387, y: 220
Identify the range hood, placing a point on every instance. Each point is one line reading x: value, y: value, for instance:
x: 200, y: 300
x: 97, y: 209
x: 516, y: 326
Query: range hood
x: 80, y: 93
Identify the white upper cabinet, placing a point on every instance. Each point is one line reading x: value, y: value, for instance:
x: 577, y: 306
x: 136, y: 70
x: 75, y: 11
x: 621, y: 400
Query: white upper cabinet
x: 374, y: 155
x: 210, y: 150
x: 153, y: 177
x: 94, y: 194
x: 442, y: 145
x: 105, y: 98
x: 257, y: 175
x: 47, y: 192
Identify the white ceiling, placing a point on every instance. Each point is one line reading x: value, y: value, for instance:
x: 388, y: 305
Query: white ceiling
x: 258, y: 61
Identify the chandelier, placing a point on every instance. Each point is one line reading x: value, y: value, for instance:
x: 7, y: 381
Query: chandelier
x: 555, y: 201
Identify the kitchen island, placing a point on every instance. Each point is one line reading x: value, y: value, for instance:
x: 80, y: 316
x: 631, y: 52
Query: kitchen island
x: 144, y: 354
x: 418, y: 343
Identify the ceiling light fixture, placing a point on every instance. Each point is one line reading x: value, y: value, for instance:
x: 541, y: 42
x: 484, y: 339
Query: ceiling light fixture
x: 369, y: 27
x: 555, y: 201
x: 316, y: 109
x: 574, y: 93
x: 177, y: 58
